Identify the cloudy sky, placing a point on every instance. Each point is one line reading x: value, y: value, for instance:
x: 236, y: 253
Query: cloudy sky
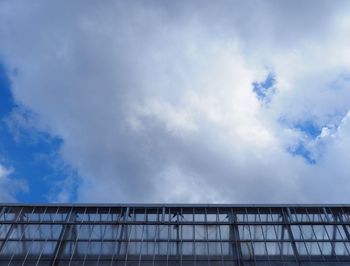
x: 175, y: 101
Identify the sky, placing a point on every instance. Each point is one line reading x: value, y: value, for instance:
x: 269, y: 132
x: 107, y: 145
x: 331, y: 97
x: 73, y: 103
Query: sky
x: 175, y: 101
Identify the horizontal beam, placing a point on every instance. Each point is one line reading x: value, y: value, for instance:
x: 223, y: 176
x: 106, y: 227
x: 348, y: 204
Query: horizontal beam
x: 172, y: 205
x: 187, y: 209
x: 197, y: 258
x: 166, y: 240
x: 103, y: 222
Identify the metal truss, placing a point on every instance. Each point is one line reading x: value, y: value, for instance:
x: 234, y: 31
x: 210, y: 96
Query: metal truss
x: 155, y: 234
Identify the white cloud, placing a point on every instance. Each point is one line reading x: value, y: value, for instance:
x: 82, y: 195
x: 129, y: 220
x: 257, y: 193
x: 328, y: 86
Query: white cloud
x: 9, y: 186
x: 154, y: 101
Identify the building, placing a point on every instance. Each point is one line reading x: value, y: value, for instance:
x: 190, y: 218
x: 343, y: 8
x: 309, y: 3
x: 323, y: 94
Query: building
x: 170, y: 234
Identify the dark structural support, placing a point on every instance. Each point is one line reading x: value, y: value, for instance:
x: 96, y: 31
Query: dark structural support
x: 17, y: 214
x: 170, y: 234
x: 287, y: 221
x: 234, y: 237
x: 66, y: 231
x: 334, y: 235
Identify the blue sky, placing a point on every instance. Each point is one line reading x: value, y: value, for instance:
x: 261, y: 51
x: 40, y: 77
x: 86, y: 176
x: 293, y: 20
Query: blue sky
x: 174, y: 102
x: 30, y: 152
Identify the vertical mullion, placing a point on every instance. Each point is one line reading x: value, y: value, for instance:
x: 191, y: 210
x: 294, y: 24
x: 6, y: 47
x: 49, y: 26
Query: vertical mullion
x: 334, y: 233
x: 235, y: 235
x: 344, y: 226
x: 287, y: 220
x: 334, y: 236
x: 91, y: 230
x: 332, y: 239
x: 3, y: 209
x: 3, y: 217
x: 177, y: 233
x: 301, y: 232
x: 60, y: 245
x: 337, y: 228
x: 276, y: 235
x: 143, y: 228
x: 33, y: 237
x: 206, y: 233
x: 220, y: 237
x: 181, y: 237
x: 169, y: 236
x: 10, y: 230
x: 264, y: 236
x: 313, y: 232
x: 159, y: 220
x: 346, y: 232
x: 118, y: 235
x: 162, y: 220
x: 22, y: 234
x: 128, y: 236
x: 155, y: 237
x: 77, y: 236
x: 250, y: 236
x: 103, y: 234
x: 40, y: 219
x: 194, y: 236
x: 47, y: 238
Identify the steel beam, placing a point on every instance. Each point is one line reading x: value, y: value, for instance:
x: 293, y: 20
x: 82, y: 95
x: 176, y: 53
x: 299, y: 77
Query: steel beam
x: 234, y: 237
x: 62, y: 241
x: 287, y: 220
x: 18, y: 214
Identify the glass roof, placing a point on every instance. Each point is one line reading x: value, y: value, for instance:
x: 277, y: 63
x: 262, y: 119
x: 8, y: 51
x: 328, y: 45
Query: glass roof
x: 174, y: 235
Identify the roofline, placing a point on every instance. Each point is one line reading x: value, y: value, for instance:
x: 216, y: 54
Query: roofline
x: 175, y: 205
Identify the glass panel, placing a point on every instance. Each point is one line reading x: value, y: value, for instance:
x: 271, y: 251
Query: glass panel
x: 273, y: 248
x: 259, y: 243
x: 259, y: 249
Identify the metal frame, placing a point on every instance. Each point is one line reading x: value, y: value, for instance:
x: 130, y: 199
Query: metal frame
x: 171, y: 234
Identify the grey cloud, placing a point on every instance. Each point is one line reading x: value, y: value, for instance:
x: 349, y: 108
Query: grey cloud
x: 87, y: 70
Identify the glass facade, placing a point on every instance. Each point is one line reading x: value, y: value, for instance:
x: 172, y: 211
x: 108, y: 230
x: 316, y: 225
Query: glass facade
x: 174, y: 235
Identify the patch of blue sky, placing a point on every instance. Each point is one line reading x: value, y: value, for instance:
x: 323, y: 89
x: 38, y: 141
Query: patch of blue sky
x: 32, y: 161
x: 301, y: 150
x: 263, y: 91
x: 309, y: 128
x: 264, y: 88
